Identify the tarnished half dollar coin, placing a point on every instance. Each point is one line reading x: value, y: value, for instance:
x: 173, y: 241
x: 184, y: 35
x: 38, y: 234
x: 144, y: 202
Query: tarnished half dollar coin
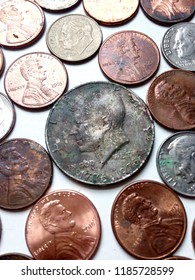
x: 99, y: 133
x: 35, y: 80
x: 176, y: 162
x: 111, y: 12
x: 25, y: 173
x: 21, y: 22
x: 7, y: 116
x: 149, y: 220
x: 74, y: 37
x: 15, y: 256
x: 171, y: 99
x: 129, y: 57
x: 56, y: 5
x: 178, y: 46
x: 63, y: 225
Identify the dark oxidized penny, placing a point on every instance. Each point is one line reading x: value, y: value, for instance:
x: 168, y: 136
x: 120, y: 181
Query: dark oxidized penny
x: 168, y: 11
x: 193, y: 234
x: 35, y: 80
x: 14, y: 256
x: 74, y: 37
x: 177, y: 258
x: 111, y: 12
x: 56, y: 5
x: 63, y: 225
x: 129, y: 57
x: 1, y: 61
x: 7, y: 116
x: 99, y: 133
x: 171, y: 99
x: 176, y: 162
x: 21, y: 22
x: 25, y: 173
x: 148, y: 220
x: 178, y: 46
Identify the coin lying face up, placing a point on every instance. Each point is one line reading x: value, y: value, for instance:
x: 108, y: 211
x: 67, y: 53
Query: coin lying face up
x: 25, y: 173
x: 63, y: 225
x: 15, y: 256
x: 148, y: 220
x: 56, y: 5
x: 74, y: 37
x: 99, y: 133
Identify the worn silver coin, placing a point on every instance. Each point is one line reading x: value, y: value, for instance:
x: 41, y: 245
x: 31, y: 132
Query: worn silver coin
x: 178, y: 46
x: 74, y: 37
x: 176, y: 162
x: 99, y: 133
x: 56, y: 5
x: 7, y: 116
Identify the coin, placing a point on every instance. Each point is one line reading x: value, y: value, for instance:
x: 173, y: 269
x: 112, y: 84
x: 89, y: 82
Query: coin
x: 176, y: 161
x: 35, y: 80
x: 111, y: 12
x: 1, y: 61
x: 7, y: 116
x: 168, y: 11
x: 21, y: 22
x: 74, y: 37
x: 177, y: 258
x: 99, y: 133
x: 56, y: 5
x: 25, y: 173
x: 148, y: 220
x: 63, y: 225
x: 193, y: 234
x: 0, y: 228
x: 178, y: 46
x: 129, y: 57
x: 14, y: 256
x: 171, y: 99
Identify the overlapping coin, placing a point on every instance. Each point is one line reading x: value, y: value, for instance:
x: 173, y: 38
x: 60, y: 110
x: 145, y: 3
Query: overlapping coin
x: 21, y: 22
x: 74, y: 37
x: 171, y: 99
x: 193, y: 234
x: 56, y: 5
x: 15, y: 256
x: 176, y: 162
x: 1, y: 61
x: 25, y: 173
x: 129, y: 57
x: 99, y: 133
x: 63, y: 225
x: 148, y: 220
x: 35, y: 80
x: 178, y: 46
x: 111, y: 12
x: 168, y: 11
x: 7, y: 116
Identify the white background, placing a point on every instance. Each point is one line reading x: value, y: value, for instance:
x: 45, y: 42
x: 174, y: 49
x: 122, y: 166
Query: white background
x: 32, y: 125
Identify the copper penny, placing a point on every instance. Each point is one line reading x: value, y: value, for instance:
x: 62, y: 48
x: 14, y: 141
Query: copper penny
x: 148, y: 219
x: 0, y: 228
x: 21, y: 22
x: 35, y: 80
x: 168, y: 11
x: 63, y: 225
x: 7, y: 116
x: 25, y: 173
x: 56, y: 5
x: 171, y: 99
x: 1, y: 61
x: 193, y: 234
x: 177, y: 258
x: 15, y: 256
x: 129, y: 57
x: 111, y: 12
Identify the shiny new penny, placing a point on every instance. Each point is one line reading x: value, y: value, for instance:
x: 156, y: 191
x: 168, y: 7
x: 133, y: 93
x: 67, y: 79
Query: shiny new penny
x: 148, y: 220
x: 21, y: 22
x: 35, y: 80
x: 63, y: 225
x: 111, y: 12
x: 25, y: 173
x: 168, y: 11
x: 15, y: 256
x: 178, y: 46
x: 7, y: 116
x: 74, y: 37
x: 176, y: 161
x: 171, y: 99
x: 1, y: 61
x: 99, y: 133
x: 56, y: 5
x: 193, y: 234
x: 129, y: 57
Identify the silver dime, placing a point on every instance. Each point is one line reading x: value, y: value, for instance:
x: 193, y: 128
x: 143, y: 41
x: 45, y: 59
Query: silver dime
x: 178, y: 46
x: 7, y: 116
x: 56, y: 4
x: 99, y: 133
x: 176, y: 162
x: 74, y: 37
